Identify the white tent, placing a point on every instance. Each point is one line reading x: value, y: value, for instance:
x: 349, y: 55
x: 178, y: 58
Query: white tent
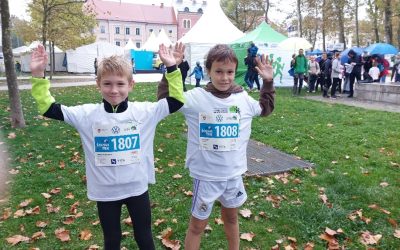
x: 212, y: 28
x: 163, y: 38
x: 18, y: 51
x: 25, y: 56
x: 130, y: 45
x: 81, y: 60
x: 151, y: 44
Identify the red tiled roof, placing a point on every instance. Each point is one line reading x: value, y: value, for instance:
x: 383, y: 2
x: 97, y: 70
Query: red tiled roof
x: 156, y: 14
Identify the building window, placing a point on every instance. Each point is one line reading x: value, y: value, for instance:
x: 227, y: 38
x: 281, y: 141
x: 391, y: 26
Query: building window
x: 186, y: 9
x: 170, y: 31
x: 138, y: 45
x: 150, y: 30
x: 200, y: 11
x: 102, y: 29
x: 186, y: 23
x: 117, y: 30
x: 138, y: 31
x: 127, y: 31
x: 118, y: 43
x: 204, y: 2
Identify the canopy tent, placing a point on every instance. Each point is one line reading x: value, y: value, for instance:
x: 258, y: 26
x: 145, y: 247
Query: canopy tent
x: 151, y: 44
x: 281, y: 63
x: 163, y: 38
x: 18, y: 51
x: 381, y: 48
x: 264, y: 33
x: 81, y: 59
x: 212, y: 28
x: 25, y: 57
x: 130, y: 45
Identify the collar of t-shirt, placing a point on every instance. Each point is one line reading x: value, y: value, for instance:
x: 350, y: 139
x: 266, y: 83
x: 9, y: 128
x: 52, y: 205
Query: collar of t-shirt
x: 223, y: 94
x: 115, y: 109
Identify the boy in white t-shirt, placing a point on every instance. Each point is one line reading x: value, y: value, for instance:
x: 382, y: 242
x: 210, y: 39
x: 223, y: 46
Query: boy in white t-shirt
x: 117, y: 138
x: 374, y: 72
x: 219, y: 125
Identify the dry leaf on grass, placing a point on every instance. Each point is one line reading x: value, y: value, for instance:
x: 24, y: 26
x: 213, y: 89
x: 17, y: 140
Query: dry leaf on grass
x: 246, y: 213
x: 14, y: 240
x: 247, y: 236
x: 367, y: 238
x: 62, y: 234
x: 167, y: 242
x: 41, y: 224
x: 85, y: 234
x: 38, y: 235
x: 397, y: 233
x: 25, y: 203
x: 159, y: 221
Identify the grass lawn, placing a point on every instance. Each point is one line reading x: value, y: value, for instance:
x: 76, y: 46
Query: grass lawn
x: 354, y: 188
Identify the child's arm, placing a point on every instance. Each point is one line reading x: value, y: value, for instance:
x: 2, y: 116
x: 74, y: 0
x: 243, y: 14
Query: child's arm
x: 40, y: 87
x: 171, y: 86
x: 267, y: 92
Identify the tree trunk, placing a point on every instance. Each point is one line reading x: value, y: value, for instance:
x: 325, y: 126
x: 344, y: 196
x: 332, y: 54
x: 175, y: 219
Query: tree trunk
x: 398, y: 33
x: 357, y: 27
x: 388, y: 22
x: 341, y: 23
x: 375, y: 21
x: 300, y: 24
x: 267, y: 3
x: 51, y: 48
x: 17, y: 116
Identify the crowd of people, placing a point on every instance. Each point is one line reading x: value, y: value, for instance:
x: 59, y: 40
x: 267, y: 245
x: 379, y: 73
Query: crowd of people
x: 335, y: 77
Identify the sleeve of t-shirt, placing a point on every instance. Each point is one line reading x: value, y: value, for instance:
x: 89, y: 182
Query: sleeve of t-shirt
x: 255, y: 108
x: 75, y: 115
x: 156, y: 111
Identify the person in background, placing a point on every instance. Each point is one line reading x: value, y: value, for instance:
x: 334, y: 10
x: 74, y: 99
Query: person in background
x: 18, y: 67
x: 374, y: 72
x: 133, y: 66
x: 327, y: 75
x: 336, y: 71
x: 396, y: 69
x: 313, y: 72
x: 354, y: 60
x: 300, y: 68
x: 184, y: 67
x: 321, y: 77
x: 95, y: 66
x: 198, y: 73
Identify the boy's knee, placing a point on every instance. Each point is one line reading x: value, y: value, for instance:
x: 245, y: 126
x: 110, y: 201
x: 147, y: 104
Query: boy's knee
x: 196, y: 229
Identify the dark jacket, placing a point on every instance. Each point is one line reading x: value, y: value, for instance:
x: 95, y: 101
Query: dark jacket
x: 354, y: 58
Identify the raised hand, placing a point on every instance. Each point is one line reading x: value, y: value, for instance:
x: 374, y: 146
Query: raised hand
x: 264, y: 68
x: 179, y: 52
x: 166, y: 55
x: 39, y: 61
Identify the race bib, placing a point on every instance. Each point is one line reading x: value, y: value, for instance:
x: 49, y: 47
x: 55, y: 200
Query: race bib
x: 219, y: 131
x: 116, y: 145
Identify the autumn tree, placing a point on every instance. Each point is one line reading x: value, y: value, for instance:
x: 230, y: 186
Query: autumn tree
x: 66, y: 23
x: 22, y: 29
x: 244, y: 14
x: 17, y: 116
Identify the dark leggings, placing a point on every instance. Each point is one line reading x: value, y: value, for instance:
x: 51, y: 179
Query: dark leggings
x: 110, y: 220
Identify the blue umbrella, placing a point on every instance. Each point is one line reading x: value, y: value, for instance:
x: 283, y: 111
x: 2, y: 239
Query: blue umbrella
x: 344, y: 58
x: 314, y: 52
x: 381, y: 48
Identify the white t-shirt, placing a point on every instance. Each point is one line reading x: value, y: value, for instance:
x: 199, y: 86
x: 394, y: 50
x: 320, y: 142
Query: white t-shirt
x: 110, y: 179
x: 231, y: 118
x: 374, y: 73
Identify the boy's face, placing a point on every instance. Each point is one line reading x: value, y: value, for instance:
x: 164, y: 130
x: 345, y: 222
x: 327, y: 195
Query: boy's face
x: 114, y: 88
x: 222, y: 74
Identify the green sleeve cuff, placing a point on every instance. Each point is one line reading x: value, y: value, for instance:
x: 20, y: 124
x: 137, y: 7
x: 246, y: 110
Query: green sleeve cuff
x: 40, y: 91
x: 175, y: 86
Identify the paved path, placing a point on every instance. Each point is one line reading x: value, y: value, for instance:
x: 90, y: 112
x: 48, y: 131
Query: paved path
x: 86, y: 80
x: 358, y: 103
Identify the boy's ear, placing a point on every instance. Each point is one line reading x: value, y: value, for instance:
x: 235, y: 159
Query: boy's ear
x: 132, y: 84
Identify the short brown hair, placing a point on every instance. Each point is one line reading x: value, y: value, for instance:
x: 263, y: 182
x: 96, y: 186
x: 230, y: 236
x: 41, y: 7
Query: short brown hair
x: 220, y: 53
x: 117, y: 65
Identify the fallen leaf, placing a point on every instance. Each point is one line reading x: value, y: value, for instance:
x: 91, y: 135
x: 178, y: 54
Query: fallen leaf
x: 6, y: 214
x: 384, y: 184
x: 329, y: 125
x: 159, y: 221
x: 177, y: 176
x: 93, y: 247
x: 128, y: 221
x: 208, y: 228
x: 11, y: 135
x: 38, y: 235
x: 69, y: 196
x: 247, y: 236
x: 367, y: 238
x: 85, y: 234
x: 62, y: 234
x: 330, y: 231
x: 309, y: 246
x: 41, y: 224
x: 188, y: 193
x: 55, y: 191
x: 35, y: 210
x: 167, y: 242
x: 19, y: 213
x: 397, y: 233
x: 13, y: 240
x: 69, y: 220
x: 25, y: 203
x: 246, y: 213
x: 46, y: 195
x: 51, y: 209
x: 219, y: 221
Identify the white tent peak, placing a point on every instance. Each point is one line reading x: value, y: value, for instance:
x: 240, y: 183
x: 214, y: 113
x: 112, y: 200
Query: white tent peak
x: 130, y: 45
x: 163, y: 38
x: 212, y: 27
